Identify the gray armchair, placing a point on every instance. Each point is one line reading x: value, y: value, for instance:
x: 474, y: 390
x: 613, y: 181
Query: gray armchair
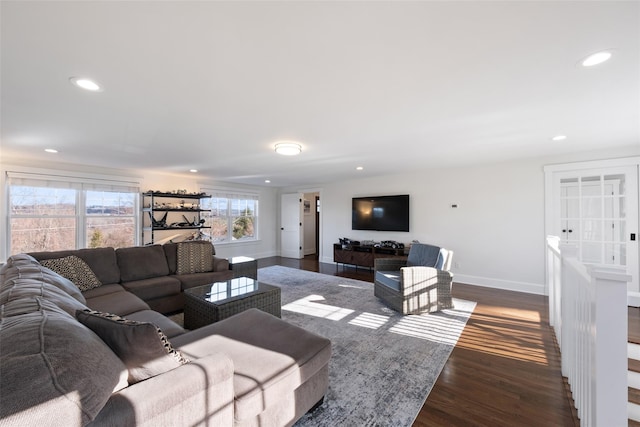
x: 421, y: 283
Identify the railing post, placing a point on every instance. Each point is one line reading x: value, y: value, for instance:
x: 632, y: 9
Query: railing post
x: 610, y: 347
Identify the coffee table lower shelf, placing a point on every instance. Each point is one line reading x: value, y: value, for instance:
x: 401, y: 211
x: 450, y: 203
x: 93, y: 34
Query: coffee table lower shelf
x: 199, y: 312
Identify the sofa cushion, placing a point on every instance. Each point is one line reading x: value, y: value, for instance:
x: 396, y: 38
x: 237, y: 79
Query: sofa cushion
x: 390, y: 279
x: 141, y: 262
x: 188, y: 281
x: 15, y: 289
x: 121, y: 303
x: 103, y: 290
x: 142, y: 346
x: 49, y: 373
x: 26, y: 267
x: 154, y: 287
x: 62, y: 283
x: 194, y: 257
x: 271, y: 357
x: 166, y: 325
x: 423, y: 255
x: 74, y: 269
x: 27, y: 305
x: 171, y: 253
x: 102, y: 261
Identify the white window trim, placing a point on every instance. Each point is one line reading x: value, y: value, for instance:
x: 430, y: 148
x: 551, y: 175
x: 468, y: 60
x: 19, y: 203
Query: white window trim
x: 236, y: 193
x: 97, y: 181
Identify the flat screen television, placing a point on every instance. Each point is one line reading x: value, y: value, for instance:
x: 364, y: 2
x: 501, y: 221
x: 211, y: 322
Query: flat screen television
x: 380, y: 213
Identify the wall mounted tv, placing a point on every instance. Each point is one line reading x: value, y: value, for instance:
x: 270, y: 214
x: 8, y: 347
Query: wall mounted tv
x: 380, y: 213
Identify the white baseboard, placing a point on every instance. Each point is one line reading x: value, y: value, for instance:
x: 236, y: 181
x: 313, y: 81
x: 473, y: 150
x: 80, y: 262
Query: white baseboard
x: 633, y: 379
x: 633, y: 351
x: 507, y: 285
x: 633, y: 299
x: 633, y: 411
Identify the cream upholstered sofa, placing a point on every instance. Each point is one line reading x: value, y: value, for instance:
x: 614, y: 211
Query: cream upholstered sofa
x: 64, y: 364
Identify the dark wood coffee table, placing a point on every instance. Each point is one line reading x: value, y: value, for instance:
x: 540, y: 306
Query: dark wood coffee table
x: 211, y: 303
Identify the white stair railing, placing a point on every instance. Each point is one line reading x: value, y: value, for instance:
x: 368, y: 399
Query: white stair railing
x: 588, y: 312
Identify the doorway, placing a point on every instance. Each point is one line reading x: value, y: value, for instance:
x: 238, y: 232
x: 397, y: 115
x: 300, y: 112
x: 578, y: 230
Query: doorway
x: 594, y: 206
x: 311, y: 224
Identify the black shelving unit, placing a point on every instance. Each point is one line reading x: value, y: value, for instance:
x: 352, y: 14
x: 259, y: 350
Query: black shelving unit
x: 163, y: 212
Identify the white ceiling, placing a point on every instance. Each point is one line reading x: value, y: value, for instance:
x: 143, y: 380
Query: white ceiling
x: 390, y: 86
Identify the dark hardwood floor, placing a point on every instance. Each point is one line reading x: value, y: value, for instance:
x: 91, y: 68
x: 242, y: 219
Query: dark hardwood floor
x: 505, y: 369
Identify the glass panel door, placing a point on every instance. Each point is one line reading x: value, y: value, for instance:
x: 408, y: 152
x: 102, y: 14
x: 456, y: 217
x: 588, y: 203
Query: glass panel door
x: 599, y: 214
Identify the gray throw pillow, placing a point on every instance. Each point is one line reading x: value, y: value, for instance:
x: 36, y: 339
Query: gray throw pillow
x: 142, y: 346
x: 74, y: 269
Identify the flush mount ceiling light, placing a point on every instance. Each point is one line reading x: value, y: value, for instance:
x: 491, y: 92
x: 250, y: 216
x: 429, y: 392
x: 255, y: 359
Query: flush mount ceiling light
x: 359, y: 168
x: 86, y: 84
x: 559, y: 138
x: 51, y: 150
x: 288, y: 148
x: 267, y: 181
x: 596, y: 58
x: 193, y: 170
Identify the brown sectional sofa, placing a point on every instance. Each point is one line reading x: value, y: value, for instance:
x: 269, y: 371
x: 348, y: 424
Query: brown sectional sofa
x: 252, y: 369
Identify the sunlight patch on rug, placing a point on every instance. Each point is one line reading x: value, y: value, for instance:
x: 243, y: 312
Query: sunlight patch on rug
x: 383, y: 364
x: 309, y: 305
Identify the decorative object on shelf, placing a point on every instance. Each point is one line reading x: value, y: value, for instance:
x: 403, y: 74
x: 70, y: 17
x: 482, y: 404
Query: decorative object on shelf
x: 162, y: 223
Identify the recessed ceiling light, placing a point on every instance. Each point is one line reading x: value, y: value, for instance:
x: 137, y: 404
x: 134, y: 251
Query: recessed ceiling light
x: 559, y: 138
x: 193, y: 170
x: 86, y: 84
x: 50, y: 150
x: 359, y: 168
x: 288, y: 148
x: 267, y: 181
x: 596, y: 58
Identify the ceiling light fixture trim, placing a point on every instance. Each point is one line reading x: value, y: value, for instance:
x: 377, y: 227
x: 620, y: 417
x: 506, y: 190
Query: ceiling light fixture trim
x: 86, y: 84
x: 288, y: 148
x: 597, y: 58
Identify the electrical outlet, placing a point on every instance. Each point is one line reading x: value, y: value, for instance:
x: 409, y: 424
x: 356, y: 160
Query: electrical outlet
x: 456, y: 264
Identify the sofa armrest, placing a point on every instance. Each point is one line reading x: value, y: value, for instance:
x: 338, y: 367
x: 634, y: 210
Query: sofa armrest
x: 389, y: 264
x: 220, y: 264
x: 199, y: 392
x: 417, y: 279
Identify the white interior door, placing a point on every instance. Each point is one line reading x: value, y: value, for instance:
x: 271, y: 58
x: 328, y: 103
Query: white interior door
x: 291, y: 235
x: 598, y: 212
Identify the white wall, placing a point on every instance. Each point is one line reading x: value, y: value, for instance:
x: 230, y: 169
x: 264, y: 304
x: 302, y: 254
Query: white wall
x: 496, y: 233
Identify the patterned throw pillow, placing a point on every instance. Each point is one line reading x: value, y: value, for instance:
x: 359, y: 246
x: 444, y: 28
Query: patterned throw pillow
x: 74, y: 269
x: 194, y: 257
x: 143, y: 347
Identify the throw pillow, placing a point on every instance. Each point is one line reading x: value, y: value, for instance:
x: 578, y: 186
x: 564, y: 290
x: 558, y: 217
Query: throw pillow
x: 194, y: 257
x: 74, y: 269
x: 142, y: 346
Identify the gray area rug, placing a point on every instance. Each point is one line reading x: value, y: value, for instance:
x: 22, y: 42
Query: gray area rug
x: 384, y: 364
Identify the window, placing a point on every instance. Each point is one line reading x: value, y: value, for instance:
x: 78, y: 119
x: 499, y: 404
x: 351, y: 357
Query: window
x: 233, y: 217
x: 110, y: 218
x: 49, y: 213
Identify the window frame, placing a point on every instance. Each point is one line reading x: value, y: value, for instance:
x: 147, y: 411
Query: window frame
x: 231, y: 196
x: 80, y: 184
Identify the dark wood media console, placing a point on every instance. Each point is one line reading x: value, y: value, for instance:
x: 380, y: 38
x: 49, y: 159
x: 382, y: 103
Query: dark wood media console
x: 363, y: 256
